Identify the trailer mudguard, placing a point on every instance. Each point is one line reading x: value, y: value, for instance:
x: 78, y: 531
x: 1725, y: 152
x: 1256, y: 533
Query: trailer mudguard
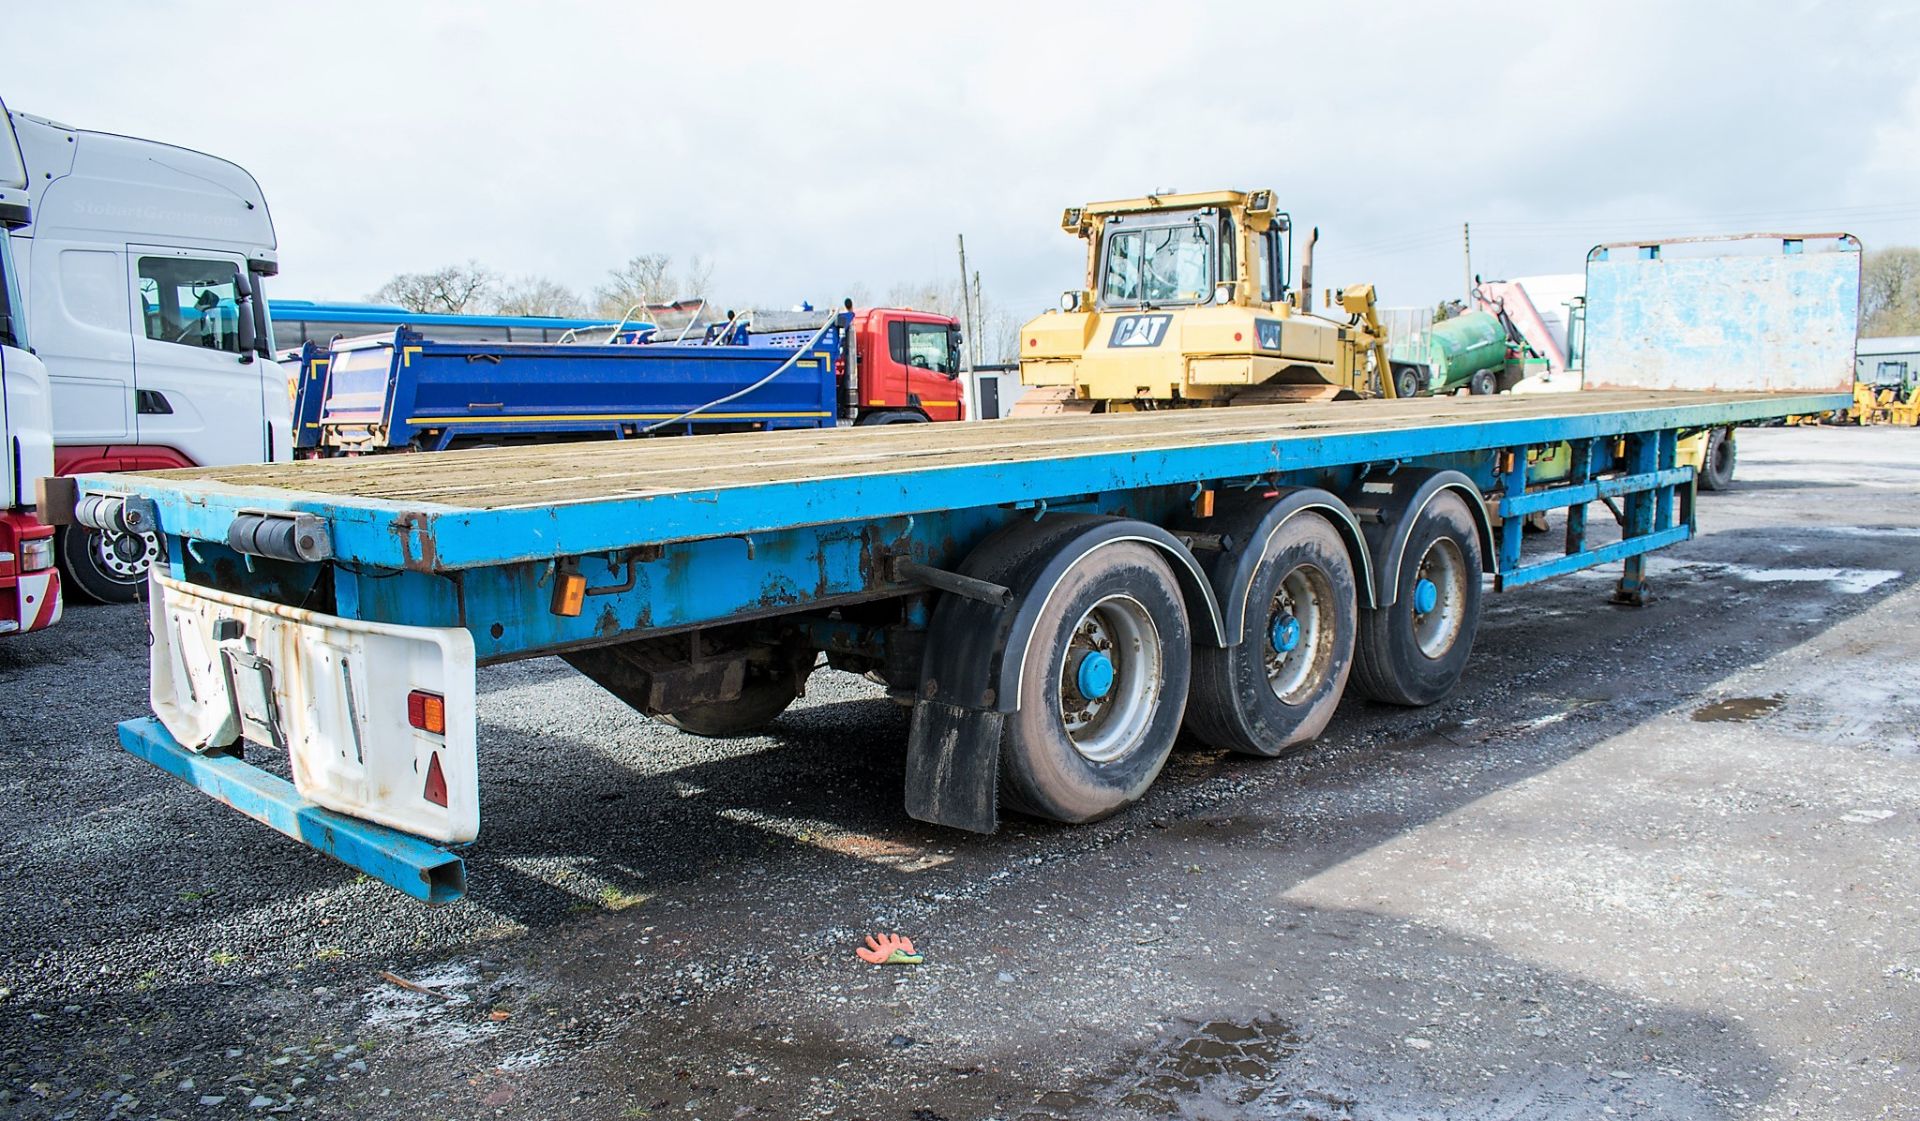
x: 1388, y: 506
x: 970, y: 678
x: 1247, y: 522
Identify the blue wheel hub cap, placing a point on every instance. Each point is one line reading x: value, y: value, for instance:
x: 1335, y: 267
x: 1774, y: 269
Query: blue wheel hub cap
x: 1094, y: 678
x: 1426, y: 595
x: 1286, y: 634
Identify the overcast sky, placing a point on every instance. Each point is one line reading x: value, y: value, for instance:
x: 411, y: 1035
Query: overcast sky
x: 805, y: 150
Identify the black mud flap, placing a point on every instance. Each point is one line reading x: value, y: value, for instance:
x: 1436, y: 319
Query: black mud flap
x: 974, y: 650
x: 953, y: 766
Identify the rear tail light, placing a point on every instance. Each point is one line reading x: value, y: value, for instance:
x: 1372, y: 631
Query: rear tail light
x: 427, y: 711
x: 36, y: 555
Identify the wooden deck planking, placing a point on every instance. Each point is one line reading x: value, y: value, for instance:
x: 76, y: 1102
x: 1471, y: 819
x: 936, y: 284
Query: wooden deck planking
x: 557, y: 474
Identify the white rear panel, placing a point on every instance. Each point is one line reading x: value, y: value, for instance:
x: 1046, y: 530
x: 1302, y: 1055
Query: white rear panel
x: 333, y: 692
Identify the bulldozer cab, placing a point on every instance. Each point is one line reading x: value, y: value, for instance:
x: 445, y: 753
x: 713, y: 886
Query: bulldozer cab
x: 1223, y: 247
x: 1186, y: 301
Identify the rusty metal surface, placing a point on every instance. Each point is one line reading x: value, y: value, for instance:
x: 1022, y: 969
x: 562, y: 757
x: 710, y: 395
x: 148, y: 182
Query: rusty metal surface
x: 1776, y: 312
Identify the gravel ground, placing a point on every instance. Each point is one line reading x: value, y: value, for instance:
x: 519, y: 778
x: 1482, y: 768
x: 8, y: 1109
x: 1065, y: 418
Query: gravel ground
x: 1651, y: 862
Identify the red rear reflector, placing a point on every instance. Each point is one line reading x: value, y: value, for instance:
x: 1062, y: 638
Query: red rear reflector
x: 436, y: 788
x: 427, y: 712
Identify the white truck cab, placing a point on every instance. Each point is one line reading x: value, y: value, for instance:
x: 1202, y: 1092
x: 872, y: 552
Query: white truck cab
x: 29, y: 584
x: 141, y: 273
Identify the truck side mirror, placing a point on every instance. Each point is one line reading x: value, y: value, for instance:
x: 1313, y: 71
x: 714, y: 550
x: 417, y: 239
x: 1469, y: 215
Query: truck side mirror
x: 243, y: 316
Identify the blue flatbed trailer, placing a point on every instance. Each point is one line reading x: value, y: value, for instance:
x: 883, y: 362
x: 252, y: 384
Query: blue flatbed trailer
x: 1055, y: 597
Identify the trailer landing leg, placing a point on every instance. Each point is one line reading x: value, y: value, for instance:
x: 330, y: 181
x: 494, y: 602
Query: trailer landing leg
x: 1633, y: 589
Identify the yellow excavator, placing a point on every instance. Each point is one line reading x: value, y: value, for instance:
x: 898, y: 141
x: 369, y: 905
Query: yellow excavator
x: 1187, y: 303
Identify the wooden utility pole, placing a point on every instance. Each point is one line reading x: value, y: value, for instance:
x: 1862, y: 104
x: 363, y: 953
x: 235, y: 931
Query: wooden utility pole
x: 979, y: 319
x: 966, y: 307
x: 1466, y: 247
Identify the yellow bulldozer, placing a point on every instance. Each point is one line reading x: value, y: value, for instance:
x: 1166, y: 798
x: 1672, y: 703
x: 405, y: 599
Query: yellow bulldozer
x: 1187, y: 302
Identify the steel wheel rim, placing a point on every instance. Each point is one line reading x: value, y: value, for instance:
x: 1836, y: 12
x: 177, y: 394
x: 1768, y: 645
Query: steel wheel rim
x: 1445, y: 566
x: 1305, y: 596
x: 126, y: 556
x: 1106, y: 728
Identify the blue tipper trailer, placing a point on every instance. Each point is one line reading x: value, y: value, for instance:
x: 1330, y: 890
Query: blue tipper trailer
x: 404, y: 391
x: 1055, y: 597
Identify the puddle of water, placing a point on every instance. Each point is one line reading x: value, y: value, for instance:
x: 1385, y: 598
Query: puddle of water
x: 1738, y: 709
x: 1218, y: 1069
x: 1845, y: 581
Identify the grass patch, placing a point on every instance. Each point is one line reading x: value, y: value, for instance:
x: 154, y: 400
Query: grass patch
x: 613, y: 899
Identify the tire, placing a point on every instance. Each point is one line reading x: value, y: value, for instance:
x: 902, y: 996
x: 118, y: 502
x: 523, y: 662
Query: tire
x: 766, y: 693
x: 103, y: 568
x: 1121, y: 603
x: 899, y: 416
x: 1256, y: 698
x: 1411, y: 657
x: 1482, y: 384
x: 1406, y: 382
x: 1717, y: 462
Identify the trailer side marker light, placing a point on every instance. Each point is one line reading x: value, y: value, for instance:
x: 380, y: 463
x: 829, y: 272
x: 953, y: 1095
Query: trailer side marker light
x: 436, y: 788
x: 569, y: 592
x: 1203, y: 504
x: 427, y: 712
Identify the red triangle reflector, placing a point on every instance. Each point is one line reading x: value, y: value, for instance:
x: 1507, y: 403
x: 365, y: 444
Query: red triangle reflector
x: 436, y: 791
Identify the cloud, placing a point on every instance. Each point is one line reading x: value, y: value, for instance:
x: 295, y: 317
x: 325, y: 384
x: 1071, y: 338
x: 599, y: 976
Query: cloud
x: 806, y: 149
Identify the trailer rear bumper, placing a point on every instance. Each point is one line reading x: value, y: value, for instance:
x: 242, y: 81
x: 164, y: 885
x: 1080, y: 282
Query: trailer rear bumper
x: 420, y: 868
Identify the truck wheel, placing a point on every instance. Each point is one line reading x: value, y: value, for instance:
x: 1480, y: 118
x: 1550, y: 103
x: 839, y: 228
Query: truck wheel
x: 898, y: 416
x: 1716, y: 464
x: 1278, y: 686
x: 1413, y: 651
x: 105, y: 567
x: 1482, y: 384
x: 765, y: 694
x: 1102, y: 689
x: 1406, y: 382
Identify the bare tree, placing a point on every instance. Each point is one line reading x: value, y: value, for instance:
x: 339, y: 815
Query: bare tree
x: 999, y: 328
x: 452, y: 289
x: 537, y: 295
x: 1890, y: 292
x: 650, y: 279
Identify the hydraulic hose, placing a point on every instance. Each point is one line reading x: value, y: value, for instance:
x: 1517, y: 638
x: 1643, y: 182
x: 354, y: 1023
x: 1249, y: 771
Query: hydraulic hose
x: 739, y: 393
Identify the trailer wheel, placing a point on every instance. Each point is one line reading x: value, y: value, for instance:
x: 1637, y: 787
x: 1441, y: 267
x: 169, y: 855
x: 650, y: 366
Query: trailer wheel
x: 1102, y: 690
x: 105, y: 567
x: 1716, y: 464
x: 894, y: 416
x: 1406, y: 381
x: 766, y: 693
x: 1482, y: 384
x: 1277, y: 687
x: 1412, y: 651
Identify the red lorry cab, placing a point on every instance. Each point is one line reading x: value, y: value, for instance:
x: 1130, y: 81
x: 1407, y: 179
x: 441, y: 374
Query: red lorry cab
x: 907, y: 368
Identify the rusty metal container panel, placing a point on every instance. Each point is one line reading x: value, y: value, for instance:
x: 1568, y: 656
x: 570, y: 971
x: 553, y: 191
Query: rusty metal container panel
x: 1752, y: 311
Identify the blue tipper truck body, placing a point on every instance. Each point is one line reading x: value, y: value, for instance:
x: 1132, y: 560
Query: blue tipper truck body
x: 1055, y: 597
x: 401, y: 390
